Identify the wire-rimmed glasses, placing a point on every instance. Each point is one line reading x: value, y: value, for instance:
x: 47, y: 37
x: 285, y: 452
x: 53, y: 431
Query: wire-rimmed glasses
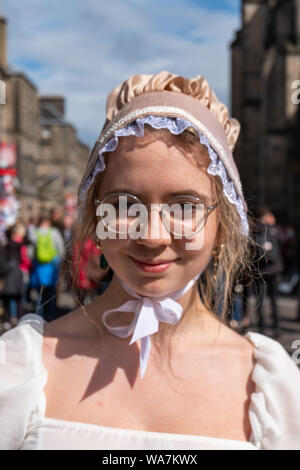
x: 183, y: 215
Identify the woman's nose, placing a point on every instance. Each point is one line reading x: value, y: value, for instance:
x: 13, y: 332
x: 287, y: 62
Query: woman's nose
x: 153, y: 232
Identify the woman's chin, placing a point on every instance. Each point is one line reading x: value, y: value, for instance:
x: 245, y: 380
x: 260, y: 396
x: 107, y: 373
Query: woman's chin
x: 154, y: 287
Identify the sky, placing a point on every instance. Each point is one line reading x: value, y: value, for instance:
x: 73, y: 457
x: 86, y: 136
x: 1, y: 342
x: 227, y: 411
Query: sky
x: 82, y: 49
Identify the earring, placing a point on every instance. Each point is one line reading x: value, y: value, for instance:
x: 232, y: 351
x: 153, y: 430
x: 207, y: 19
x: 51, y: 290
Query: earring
x: 103, y: 261
x: 97, y: 243
x: 216, y: 255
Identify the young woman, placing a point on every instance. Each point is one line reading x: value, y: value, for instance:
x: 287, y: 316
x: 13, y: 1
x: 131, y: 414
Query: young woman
x: 150, y: 363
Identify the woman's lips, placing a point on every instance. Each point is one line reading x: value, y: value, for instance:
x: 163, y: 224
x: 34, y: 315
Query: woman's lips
x: 153, y: 266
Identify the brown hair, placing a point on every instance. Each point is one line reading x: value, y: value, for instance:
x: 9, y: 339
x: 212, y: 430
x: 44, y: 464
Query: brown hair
x: 236, y: 260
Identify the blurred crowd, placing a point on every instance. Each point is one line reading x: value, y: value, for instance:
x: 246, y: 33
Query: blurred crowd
x: 277, y: 272
x: 31, y: 278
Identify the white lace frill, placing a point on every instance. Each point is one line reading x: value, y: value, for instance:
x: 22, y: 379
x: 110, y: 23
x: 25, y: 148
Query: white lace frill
x: 176, y: 126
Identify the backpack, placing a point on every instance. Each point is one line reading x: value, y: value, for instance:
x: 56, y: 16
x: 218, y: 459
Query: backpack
x: 45, y: 248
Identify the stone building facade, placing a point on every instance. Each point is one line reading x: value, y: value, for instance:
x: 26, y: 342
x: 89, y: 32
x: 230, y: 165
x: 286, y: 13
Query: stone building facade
x: 62, y: 156
x: 22, y: 128
x: 50, y: 157
x: 265, y: 67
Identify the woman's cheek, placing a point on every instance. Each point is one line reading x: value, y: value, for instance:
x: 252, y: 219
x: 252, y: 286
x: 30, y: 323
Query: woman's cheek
x: 113, y: 248
x: 192, y: 246
x: 195, y: 252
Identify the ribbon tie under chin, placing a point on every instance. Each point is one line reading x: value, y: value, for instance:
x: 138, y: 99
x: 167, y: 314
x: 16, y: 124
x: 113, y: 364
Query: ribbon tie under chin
x: 148, y: 313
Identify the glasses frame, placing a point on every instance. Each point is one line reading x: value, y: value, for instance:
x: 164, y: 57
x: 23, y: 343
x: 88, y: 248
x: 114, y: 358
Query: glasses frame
x: 208, y: 208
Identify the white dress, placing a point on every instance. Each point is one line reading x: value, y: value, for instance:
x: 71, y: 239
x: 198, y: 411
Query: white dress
x: 274, y: 410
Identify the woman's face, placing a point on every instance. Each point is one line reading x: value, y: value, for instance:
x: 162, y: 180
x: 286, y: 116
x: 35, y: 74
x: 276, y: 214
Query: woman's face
x: 155, y: 168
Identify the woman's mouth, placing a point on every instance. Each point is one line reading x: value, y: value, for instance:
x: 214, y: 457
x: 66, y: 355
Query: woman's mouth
x: 153, y: 266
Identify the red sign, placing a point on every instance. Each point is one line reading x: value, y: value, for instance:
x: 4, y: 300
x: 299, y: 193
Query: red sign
x: 7, y: 155
x: 8, y: 171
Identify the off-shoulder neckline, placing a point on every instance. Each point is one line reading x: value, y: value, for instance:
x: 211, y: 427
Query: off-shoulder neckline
x: 137, y: 432
x: 37, y: 323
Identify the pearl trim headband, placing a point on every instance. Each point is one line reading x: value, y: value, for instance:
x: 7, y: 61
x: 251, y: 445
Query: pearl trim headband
x: 169, y: 110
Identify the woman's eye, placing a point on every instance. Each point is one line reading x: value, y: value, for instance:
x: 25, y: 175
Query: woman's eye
x: 123, y: 206
x: 187, y: 205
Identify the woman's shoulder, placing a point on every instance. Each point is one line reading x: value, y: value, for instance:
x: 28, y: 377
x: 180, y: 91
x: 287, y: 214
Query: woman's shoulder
x: 22, y: 378
x: 20, y: 349
x: 24, y: 348
x: 26, y: 337
x: 275, y: 409
x: 75, y: 325
x: 271, y: 354
x: 236, y: 346
x: 71, y: 332
x: 274, y: 367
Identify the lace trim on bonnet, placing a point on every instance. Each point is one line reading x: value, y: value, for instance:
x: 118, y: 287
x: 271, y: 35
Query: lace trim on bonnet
x: 175, y: 126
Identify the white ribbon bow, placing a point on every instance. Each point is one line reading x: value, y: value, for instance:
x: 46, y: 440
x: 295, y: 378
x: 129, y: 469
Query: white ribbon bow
x: 148, y: 313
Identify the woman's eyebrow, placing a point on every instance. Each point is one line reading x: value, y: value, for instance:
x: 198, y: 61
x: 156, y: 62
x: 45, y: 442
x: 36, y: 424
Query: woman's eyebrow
x: 188, y: 192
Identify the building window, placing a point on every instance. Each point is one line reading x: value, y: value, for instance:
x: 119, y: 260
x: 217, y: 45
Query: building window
x: 46, y: 134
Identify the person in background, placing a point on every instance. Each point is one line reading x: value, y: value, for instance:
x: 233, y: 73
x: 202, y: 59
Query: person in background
x: 87, y: 272
x: 56, y: 218
x: 14, y: 261
x: 270, y: 266
x: 31, y: 226
x: 67, y: 230
x: 241, y: 317
x: 49, y: 251
x: 246, y: 283
x: 287, y: 237
x: 26, y: 263
x: 3, y: 271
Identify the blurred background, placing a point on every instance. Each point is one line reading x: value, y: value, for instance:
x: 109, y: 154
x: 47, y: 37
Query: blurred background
x: 58, y: 62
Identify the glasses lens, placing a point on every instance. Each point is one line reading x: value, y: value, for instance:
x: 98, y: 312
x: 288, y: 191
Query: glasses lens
x: 184, y: 217
x: 119, y: 212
